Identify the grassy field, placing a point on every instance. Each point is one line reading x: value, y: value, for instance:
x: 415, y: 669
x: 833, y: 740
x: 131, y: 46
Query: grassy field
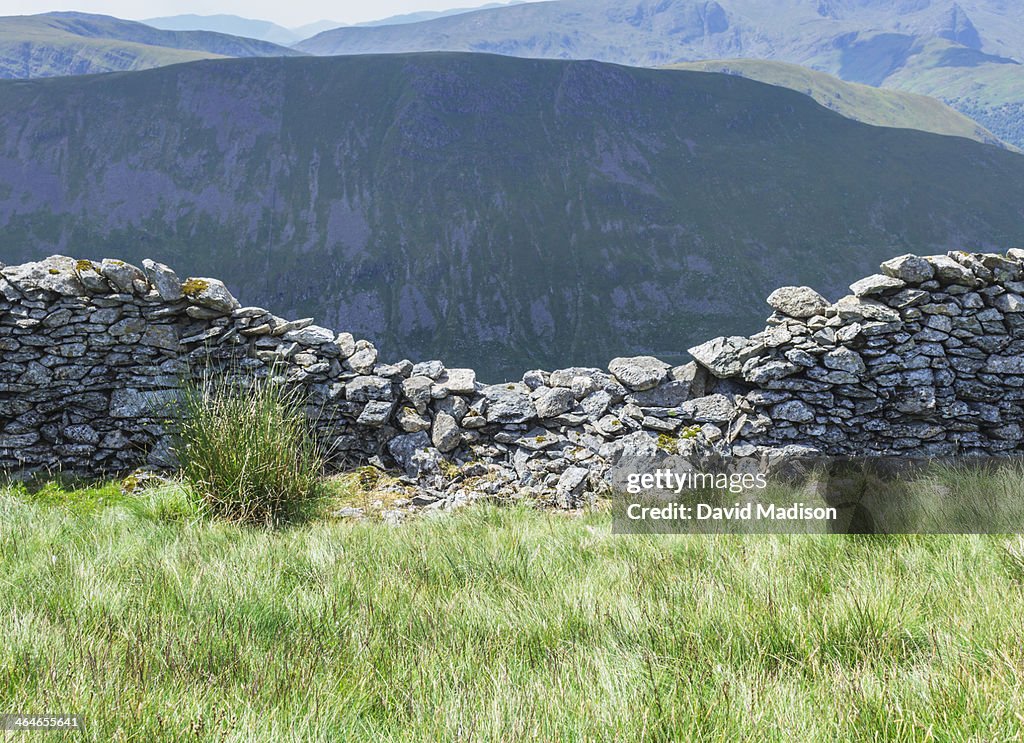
x: 500, y: 624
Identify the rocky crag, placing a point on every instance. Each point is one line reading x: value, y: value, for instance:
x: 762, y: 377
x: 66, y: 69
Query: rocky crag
x: 925, y: 358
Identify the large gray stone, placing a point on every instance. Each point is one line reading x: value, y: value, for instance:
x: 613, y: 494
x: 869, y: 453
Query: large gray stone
x: 508, y: 403
x: 797, y: 301
x: 445, y: 433
x: 163, y: 279
x: 876, y: 284
x: 795, y: 411
x: 54, y: 274
x: 724, y: 357
x: 554, y: 401
x: 639, y: 373
x: 715, y: 408
x: 210, y: 293
x: 910, y: 268
x: 366, y: 388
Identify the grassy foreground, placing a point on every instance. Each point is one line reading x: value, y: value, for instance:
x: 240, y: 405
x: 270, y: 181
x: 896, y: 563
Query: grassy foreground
x: 497, y: 624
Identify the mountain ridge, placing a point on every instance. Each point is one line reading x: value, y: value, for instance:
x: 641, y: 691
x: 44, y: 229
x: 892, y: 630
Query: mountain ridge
x: 500, y: 213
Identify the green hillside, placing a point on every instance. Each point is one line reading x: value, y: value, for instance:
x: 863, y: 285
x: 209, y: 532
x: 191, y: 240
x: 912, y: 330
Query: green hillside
x: 54, y: 44
x: 877, y: 106
x: 496, y: 212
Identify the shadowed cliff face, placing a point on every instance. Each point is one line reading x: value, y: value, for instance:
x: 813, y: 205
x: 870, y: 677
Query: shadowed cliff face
x: 499, y: 213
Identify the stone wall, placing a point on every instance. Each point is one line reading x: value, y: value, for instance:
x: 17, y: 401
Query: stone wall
x: 924, y: 359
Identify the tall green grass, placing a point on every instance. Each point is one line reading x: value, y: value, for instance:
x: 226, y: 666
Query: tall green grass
x: 248, y: 453
x: 502, y: 625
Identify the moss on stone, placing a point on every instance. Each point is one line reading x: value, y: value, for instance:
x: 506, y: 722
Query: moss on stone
x: 194, y: 287
x: 690, y: 432
x: 667, y: 442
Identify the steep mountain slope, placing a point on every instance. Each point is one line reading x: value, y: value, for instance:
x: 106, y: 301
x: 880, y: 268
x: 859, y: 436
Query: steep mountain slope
x: 55, y: 44
x: 499, y: 212
x: 876, y: 106
x: 910, y: 45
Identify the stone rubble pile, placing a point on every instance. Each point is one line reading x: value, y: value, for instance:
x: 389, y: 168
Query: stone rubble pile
x: 925, y: 359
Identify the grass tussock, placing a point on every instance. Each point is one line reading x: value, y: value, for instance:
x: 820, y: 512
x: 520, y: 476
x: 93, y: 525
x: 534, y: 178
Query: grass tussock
x: 248, y: 454
x: 500, y: 624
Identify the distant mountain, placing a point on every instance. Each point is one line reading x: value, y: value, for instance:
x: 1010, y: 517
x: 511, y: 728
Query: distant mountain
x: 232, y: 24
x: 499, y: 212
x: 54, y: 44
x: 938, y: 47
x: 429, y: 15
x: 312, y: 29
x: 864, y: 103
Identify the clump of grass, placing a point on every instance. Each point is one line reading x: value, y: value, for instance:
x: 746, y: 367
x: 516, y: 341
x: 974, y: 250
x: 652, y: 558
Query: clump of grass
x: 248, y: 454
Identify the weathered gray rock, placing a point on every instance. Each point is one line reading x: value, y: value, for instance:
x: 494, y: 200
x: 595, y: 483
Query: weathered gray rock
x: 876, y: 284
x: 458, y: 381
x: 912, y: 269
x: 363, y: 358
x: 164, y: 280
x: 311, y: 335
x: 209, y: 293
x: 375, y: 414
x: 509, y: 403
x: 445, y: 434
x: 554, y: 401
x: 715, y: 408
x: 949, y: 271
x: 796, y: 411
x: 639, y: 373
x: 417, y: 390
x: 54, y: 274
x: 844, y: 359
x: 366, y: 388
x: 724, y: 357
x: 797, y: 301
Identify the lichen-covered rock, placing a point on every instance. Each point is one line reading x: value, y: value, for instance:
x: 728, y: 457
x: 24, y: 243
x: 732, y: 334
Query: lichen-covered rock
x: 55, y: 274
x: 209, y: 293
x: 554, y: 401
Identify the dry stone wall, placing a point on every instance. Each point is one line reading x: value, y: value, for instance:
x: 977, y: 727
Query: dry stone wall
x: 925, y: 358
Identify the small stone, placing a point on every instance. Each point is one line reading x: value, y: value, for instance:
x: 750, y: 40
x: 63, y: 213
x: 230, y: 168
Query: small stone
x: 949, y: 271
x: 571, y: 485
x: 797, y: 301
x: 508, y: 404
